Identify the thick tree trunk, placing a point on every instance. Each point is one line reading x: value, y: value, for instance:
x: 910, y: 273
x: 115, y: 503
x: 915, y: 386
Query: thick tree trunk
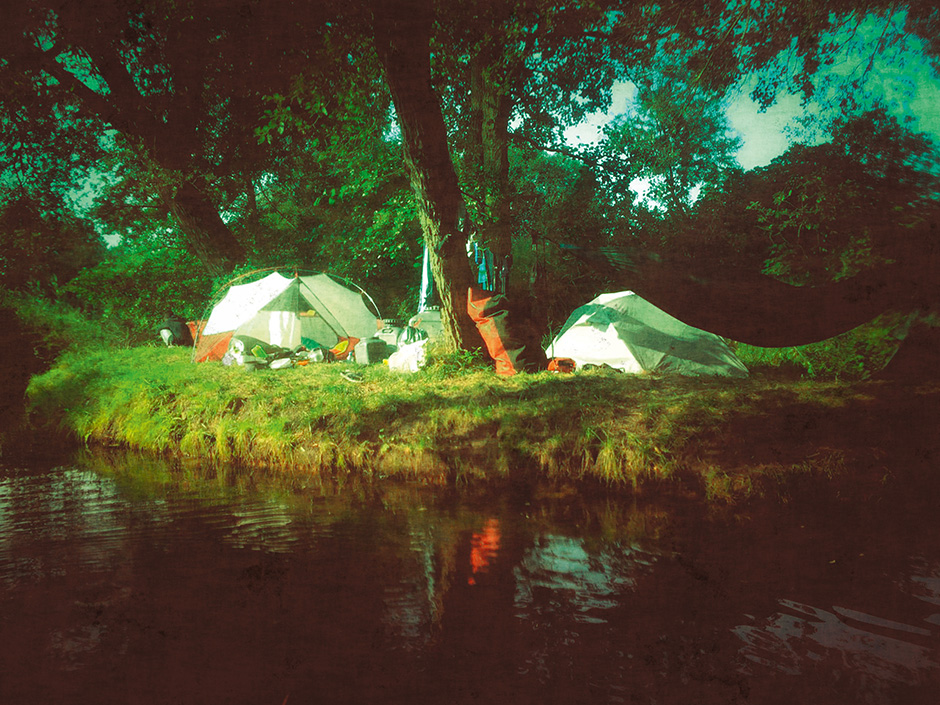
x: 522, y: 318
x: 208, y: 237
x: 402, y: 31
x: 489, y: 152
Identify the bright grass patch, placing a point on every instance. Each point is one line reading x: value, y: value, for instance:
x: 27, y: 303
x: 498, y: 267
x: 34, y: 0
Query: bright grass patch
x: 726, y: 437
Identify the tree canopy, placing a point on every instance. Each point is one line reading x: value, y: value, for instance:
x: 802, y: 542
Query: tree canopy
x: 344, y: 135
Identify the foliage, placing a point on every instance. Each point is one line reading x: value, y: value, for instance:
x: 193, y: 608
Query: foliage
x: 137, y: 284
x: 196, y: 133
x: 43, y: 249
x: 445, y: 363
x: 345, y: 209
x: 675, y: 137
x: 182, y: 84
x: 839, y: 207
x: 55, y: 327
x: 824, y: 212
x: 556, y: 201
x: 339, y: 201
x: 857, y: 354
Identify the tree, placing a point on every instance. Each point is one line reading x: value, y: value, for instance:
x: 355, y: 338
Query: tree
x: 822, y: 240
x: 402, y: 38
x: 42, y: 248
x: 677, y: 139
x: 718, y: 44
x: 838, y: 208
x: 185, y: 85
x: 182, y: 85
x: 340, y: 199
x: 501, y: 82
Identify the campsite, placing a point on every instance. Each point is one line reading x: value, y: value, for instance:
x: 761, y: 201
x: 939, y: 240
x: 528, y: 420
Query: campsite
x: 421, y: 352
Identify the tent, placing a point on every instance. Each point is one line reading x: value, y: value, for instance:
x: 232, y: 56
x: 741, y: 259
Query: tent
x: 628, y: 333
x: 314, y: 311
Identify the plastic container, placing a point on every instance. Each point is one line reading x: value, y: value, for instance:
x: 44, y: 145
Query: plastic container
x: 389, y: 334
x: 372, y: 350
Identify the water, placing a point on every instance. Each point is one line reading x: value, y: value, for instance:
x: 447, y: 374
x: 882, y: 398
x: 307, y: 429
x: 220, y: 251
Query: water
x: 125, y: 580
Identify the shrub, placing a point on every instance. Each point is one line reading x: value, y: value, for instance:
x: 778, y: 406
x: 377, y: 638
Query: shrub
x: 856, y: 354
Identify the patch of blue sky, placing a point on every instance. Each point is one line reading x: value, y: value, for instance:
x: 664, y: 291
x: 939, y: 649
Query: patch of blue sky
x: 878, y: 63
x: 887, y: 66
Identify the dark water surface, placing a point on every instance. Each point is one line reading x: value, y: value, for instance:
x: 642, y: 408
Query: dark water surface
x: 126, y: 580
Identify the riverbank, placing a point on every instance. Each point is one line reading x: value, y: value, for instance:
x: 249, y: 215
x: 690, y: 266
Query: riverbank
x: 453, y: 423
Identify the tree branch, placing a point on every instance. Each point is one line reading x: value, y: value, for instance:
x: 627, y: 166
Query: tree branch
x: 518, y: 137
x: 94, y: 102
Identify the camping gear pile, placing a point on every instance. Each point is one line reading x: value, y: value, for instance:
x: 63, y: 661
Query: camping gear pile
x: 253, y: 354
x: 278, y: 322
x: 623, y: 331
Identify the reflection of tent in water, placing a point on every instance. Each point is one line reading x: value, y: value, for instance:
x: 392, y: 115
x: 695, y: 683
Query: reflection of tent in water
x: 560, y: 569
x: 626, y: 332
x: 313, y: 311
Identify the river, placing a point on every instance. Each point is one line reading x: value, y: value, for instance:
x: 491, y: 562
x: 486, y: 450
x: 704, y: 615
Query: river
x: 130, y: 580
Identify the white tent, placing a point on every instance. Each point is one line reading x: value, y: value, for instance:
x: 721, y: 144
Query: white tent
x: 287, y: 312
x: 626, y: 332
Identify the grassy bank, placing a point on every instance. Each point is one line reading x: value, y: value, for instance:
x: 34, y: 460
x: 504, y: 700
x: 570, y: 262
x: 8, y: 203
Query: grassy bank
x: 455, y: 423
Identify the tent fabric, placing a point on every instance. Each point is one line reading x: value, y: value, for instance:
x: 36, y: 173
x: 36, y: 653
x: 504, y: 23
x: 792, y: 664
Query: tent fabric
x: 286, y: 311
x: 630, y: 334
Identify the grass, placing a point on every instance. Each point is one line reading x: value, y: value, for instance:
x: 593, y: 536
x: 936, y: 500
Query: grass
x: 455, y: 422
x: 806, y: 415
x: 36, y: 333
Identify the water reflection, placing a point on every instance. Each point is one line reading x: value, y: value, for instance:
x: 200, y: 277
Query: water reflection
x: 484, y: 546
x: 563, y: 567
x: 128, y: 580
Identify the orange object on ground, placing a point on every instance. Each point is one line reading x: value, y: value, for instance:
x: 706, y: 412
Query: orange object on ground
x: 561, y: 364
x: 342, y: 349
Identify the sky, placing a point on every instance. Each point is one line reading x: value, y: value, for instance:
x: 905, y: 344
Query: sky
x: 895, y: 73
x: 763, y: 134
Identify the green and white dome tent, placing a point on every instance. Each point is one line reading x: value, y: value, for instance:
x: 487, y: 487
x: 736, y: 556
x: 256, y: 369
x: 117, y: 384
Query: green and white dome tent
x: 630, y: 334
x: 312, y: 310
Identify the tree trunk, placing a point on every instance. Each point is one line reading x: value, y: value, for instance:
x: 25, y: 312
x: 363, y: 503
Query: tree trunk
x: 402, y: 31
x: 489, y: 151
x: 208, y: 237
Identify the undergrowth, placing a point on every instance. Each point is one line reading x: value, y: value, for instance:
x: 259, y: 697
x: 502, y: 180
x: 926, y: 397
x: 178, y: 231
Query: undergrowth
x: 856, y: 354
x: 55, y: 327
